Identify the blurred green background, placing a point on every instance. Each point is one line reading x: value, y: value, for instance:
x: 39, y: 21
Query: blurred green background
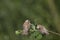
x: 14, y: 12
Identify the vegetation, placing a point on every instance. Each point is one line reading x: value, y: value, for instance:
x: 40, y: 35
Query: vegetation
x: 13, y: 13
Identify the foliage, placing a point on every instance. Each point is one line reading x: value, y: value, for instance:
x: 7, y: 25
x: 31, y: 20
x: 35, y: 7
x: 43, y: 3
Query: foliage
x: 14, y: 12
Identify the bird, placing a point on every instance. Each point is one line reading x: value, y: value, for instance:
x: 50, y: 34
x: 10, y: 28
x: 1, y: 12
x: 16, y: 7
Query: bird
x: 26, y: 27
x: 42, y: 29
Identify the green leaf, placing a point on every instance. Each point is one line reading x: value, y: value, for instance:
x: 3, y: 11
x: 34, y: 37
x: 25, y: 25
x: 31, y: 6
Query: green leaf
x: 18, y: 32
x: 36, y: 35
x: 33, y: 26
x: 39, y: 36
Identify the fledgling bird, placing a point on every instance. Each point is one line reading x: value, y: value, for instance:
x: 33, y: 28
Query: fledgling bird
x: 42, y: 29
x: 26, y: 27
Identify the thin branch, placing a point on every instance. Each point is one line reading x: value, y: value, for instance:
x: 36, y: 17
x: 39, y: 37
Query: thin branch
x: 54, y: 33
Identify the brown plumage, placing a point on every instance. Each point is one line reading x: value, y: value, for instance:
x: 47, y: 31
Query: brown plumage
x: 42, y: 29
x: 26, y: 26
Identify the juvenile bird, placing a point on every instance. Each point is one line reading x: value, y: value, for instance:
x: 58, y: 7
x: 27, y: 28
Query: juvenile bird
x: 26, y: 26
x: 42, y: 29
